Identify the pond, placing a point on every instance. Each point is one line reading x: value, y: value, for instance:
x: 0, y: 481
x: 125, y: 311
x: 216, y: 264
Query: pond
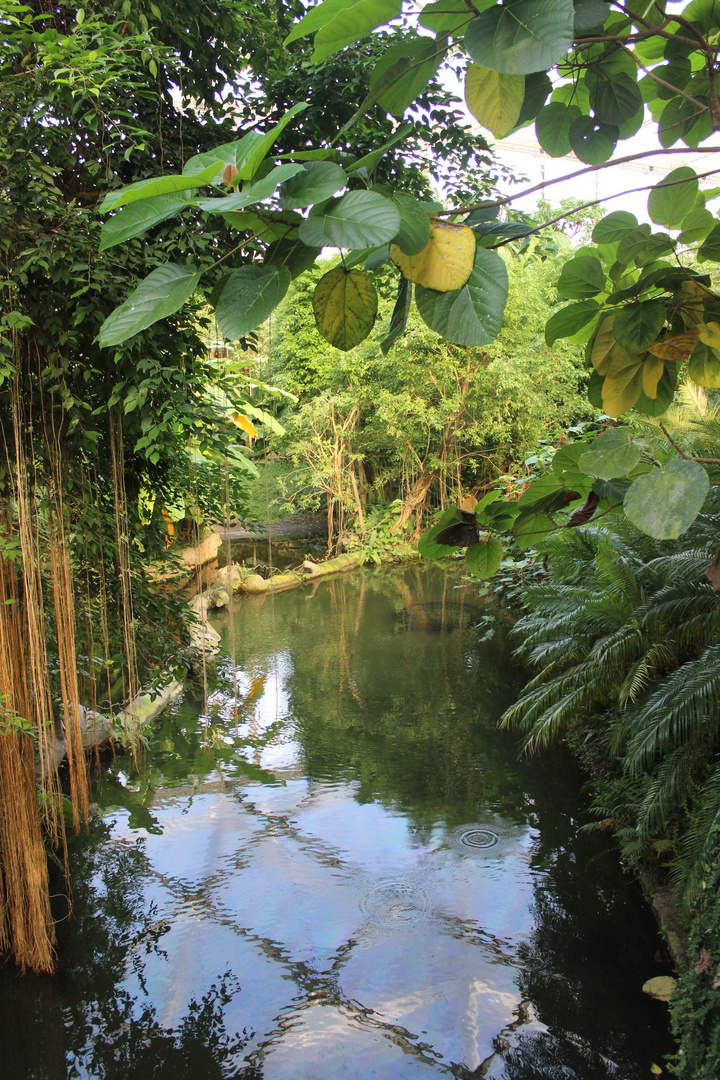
x: 342, y: 868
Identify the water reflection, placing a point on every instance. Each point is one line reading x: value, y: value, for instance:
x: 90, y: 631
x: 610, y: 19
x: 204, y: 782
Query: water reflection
x: 345, y: 871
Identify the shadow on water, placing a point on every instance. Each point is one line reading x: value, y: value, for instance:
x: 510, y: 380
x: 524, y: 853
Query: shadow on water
x: 345, y: 870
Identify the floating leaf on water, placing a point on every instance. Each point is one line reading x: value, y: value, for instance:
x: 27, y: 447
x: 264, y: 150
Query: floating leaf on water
x: 661, y: 987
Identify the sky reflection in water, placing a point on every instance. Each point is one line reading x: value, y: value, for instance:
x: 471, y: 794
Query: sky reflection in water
x: 298, y: 901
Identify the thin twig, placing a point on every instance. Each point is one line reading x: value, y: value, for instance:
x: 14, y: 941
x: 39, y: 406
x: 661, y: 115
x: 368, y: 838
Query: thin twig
x: 488, y: 203
x: 687, y: 457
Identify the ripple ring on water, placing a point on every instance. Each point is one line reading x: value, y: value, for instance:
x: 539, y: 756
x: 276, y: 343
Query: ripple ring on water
x: 393, y: 902
x: 479, y: 838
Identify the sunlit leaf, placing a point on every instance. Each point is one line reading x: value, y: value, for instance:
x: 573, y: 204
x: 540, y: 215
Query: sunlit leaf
x: 614, y: 227
x: 569, y: 320
x: 161, y: 185
x: 623, y: 384
x: 445, y: 263
x: 161, y: 293
x: 652, y: 370
x: 345, y: 305
x: 352, y: 23
x: 581, y: 278
x: 674, y: 197
x: 494, y: 99
x: 665, y: 502
x: 134, y: 219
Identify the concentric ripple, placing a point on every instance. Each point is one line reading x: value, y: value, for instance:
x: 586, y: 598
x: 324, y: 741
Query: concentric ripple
x: 393, y: 902
x: 479, y: 838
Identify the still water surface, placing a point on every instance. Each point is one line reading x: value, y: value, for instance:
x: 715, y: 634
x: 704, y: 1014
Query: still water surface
x: 358, y: 878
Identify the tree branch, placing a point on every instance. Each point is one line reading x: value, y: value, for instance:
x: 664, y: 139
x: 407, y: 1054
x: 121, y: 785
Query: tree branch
x: 506, y: 199
x: 687, y: 457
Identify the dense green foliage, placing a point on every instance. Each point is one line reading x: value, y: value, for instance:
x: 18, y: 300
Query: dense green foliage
x: 625, y: 637
x: 462, y: 418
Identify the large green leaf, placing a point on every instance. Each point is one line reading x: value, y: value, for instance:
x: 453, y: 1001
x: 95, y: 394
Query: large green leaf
x: 614, y: 227
x: 361, y: 219
x: 632, y: 243
x: 704, y: 366
x: 161, y: 185
x: 616, y: 98
x: 552, y: 127
x: 245, y: 154
x: 665, y: 502
x: 569, y: 320
x: 250, y: 295
x: 581, y: 278
x: 319, y: 181
x: 317, y: 17
x: 494, y: 99
x: 589, y: 14
x: 444, y: 17
x: 414, y: 234
x: 673, y: 198
x: 473, y: 314
x: 345, y: 305
x: 696, y: 225
x: 403, y: 73
x: 297, y: 256
x: 710, y: 249
x: 352, y: 23
x: 531, y: 529
x: 523, y: 36
x: 592, y: 141
x: 400, y: 314
x: 160, y: 294
x: 637, y: 326
x: 485, y: 557
x: 134, y: 219
x: 537, y: 90
x: 258, y: 192
x: 658, y: 245
x: 612, y: 454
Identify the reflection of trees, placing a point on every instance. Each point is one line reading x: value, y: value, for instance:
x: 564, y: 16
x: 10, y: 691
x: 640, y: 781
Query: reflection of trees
x: 588, y: 925
x: 87, y: 1015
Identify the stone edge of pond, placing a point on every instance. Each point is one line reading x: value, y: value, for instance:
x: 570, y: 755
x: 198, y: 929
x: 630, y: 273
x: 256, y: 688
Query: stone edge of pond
x: 238, y: 580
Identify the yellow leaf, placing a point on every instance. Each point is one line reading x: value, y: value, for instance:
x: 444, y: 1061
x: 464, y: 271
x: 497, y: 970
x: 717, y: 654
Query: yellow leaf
x: 698, y: 290
x: 446, y: 261
x: 660, y: 987
x: 676, y: 348
x: 623, y: 387
x: 652, y: 370
x: 495, y: 100
x: 709, y: 334
x: 345, y: 305
x: 655, y: 1069
x: 244, y: 424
